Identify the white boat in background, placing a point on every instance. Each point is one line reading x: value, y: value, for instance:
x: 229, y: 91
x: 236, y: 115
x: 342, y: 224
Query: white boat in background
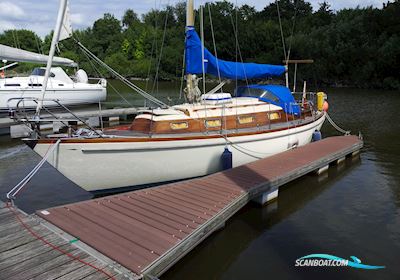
x: 25, y: 91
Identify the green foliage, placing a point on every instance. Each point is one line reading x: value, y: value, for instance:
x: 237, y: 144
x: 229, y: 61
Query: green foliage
x: 23, y: 39
x: 357, y: 47
x: 129, y: 19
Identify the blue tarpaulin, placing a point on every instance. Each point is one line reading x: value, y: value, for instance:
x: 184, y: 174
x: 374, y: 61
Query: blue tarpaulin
x: 227, y: 69
x: 274, y: 94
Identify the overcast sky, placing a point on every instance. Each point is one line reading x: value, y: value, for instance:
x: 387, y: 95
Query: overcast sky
x: 40, y: 16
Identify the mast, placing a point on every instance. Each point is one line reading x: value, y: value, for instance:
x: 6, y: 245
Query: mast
x: 56, y: 35
x: 190, y: 78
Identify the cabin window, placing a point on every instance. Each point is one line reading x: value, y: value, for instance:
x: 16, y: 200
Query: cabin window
x: 179, y: 125
x: 38, y: 72
x: 212, y: 123
x: 12, y: 85
x: 61, y: 85
x: 270, y: 96
x: 245, y: 119
x: 41, y: 72
x: 35, y: 85
x: 274, y: 116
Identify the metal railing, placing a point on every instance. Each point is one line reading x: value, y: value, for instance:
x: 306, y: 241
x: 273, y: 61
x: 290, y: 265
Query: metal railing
x: 33, y: 120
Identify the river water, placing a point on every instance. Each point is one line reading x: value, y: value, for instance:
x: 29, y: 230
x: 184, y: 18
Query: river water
x: 353, y: 211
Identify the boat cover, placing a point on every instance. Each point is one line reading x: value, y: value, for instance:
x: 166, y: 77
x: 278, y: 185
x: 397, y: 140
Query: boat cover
x: 280, y: 96
x: 227, y: 69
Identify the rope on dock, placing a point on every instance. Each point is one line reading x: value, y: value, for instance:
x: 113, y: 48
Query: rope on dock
x: 345, y: 132
x: 54, y: 247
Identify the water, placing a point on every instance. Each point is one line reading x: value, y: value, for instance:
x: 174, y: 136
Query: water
x: 354, y: 211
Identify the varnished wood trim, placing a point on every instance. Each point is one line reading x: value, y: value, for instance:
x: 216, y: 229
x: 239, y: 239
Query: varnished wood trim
x: 149, y: 139
x: 198, y: 125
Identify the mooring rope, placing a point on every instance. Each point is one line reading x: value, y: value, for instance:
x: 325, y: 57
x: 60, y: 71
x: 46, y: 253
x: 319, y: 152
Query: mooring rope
x: 14, y: 191
x: 338, y: 128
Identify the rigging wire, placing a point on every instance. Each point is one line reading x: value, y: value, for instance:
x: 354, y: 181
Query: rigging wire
x: 214, y: 44
x: 122, y: 78
x: 102, y: 76
x: 15, y: 40
x: 238, y: 51
x: 37, y: 45
x: 153, y: 48
x: 150, y: 64
x: 161, y: 51
x: 183, y: 75
x: 16, y: 35
x: 202, y: 47
x: 202, y: 60
x: 280, y: 25
x: 292, y: 32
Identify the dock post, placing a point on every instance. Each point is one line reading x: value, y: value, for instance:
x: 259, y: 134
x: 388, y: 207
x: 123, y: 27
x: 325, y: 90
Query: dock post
x: 266, y: 197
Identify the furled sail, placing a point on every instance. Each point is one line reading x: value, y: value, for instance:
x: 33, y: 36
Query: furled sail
x: 66, y: 26
x: 227, y: 69
x: 13, y: 54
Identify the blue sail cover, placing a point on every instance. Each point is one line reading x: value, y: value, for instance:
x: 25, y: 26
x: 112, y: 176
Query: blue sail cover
x: 227, y: 69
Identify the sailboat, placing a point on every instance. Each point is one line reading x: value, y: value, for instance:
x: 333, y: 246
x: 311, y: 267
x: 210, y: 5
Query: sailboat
x: 188, y: 140
x: 24, y: 92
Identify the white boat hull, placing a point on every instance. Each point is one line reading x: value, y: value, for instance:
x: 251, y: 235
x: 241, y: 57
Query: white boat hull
x: 74, y: 96
x: 102, y: 166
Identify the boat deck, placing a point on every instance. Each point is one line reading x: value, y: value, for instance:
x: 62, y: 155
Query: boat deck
x: 147, y: 231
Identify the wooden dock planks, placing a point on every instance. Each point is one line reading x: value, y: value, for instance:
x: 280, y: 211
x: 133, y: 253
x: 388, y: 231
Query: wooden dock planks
x: 24, y: 256
x: 148, y: 230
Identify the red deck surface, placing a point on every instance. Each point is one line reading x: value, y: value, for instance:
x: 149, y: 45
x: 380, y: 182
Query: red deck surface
x: 136, y: 228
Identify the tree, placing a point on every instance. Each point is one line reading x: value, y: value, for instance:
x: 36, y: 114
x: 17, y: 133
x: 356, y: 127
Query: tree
x: 106, y: 35
x: 324, y: 14
x: 22, y: 39
x: 129, y: 18
x: 359, y: 47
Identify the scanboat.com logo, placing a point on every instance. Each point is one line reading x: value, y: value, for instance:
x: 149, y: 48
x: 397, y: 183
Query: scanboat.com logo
x: 330, y: 260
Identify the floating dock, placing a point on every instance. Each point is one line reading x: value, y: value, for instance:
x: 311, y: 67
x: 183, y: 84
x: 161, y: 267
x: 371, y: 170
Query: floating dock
x: 147, y: 231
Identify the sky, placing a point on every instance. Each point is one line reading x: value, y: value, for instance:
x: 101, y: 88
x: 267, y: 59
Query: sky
x: 40, y: 16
